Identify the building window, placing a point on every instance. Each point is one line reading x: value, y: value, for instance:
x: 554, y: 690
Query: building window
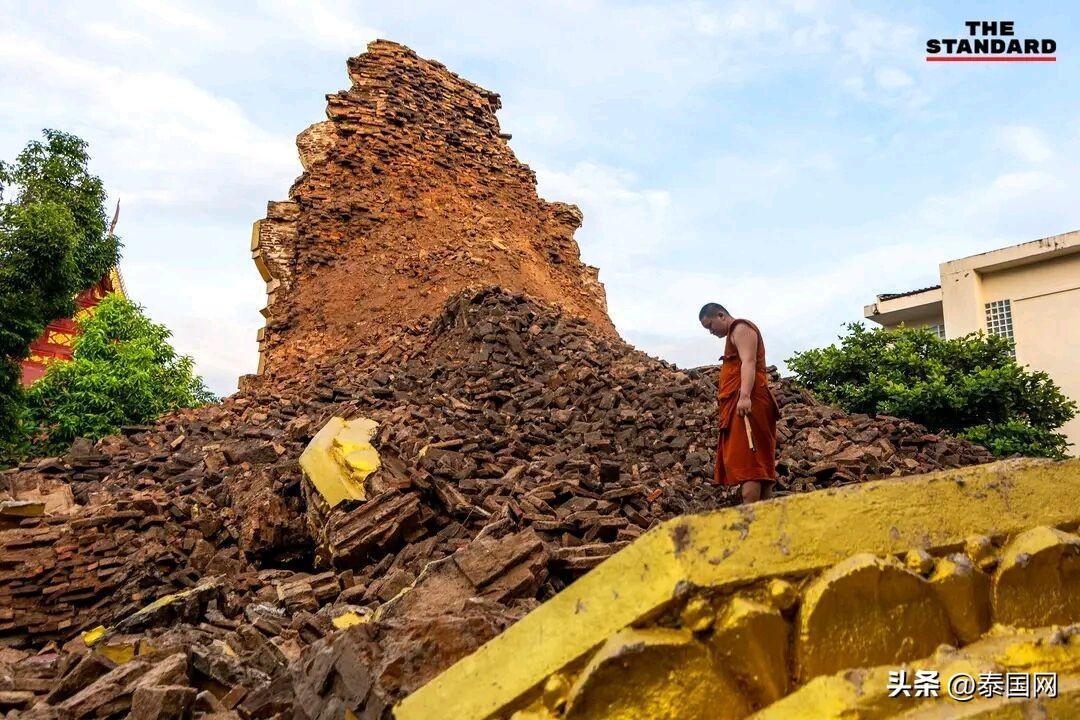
x: 938, y: 329
x: 999, y: 319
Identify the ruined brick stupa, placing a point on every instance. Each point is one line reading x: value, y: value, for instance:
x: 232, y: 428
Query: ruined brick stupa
x: 410, y: 192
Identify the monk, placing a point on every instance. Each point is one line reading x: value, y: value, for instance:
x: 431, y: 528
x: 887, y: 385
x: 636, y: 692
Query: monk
x: 743, y: 391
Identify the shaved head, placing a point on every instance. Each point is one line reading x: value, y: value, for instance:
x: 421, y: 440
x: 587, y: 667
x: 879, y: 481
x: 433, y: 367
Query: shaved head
x: 709, y: 310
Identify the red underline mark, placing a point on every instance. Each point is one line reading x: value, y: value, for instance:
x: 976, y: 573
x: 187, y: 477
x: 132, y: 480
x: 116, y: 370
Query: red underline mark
x: 976, y: 58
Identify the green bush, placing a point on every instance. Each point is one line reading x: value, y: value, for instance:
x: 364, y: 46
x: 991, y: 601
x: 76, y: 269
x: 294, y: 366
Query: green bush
x: 124, y: 372
x: 969, y: 386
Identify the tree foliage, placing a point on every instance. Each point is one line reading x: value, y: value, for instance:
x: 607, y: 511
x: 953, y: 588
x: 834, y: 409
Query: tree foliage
x: 124, y: 372
x: 53, y: 244
x: 969, y: 386
x: 54, y: 173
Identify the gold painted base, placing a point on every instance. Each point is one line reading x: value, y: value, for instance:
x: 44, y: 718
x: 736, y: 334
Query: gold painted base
x: 800, y: 608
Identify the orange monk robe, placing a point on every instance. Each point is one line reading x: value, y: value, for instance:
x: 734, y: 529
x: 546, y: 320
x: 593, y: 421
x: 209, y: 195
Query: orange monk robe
x: 735, y: 463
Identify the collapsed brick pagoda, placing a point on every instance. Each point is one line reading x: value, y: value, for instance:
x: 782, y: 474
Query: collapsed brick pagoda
x: 414, y: 278
x: 410, y: 192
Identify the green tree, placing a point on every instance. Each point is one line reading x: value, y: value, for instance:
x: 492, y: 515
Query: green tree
x: 53, y: 244
x: 969, y: 386
x: 124, y: 372
x: 54, y: 173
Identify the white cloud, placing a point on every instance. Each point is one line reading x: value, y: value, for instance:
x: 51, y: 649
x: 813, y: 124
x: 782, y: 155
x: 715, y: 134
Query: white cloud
x: 889, y: 78
x: 879, y: 63
x: 752, y: 18
x: 1019, y: 185
x: 330, y: 24
x: 659, y: 309
x: 814, y: 37
x: 1030, y: 193
x: 872, y: 38
x: 1025, y: 142
x: 114, y: 34
x: 1021, y: 204
x: 708, y: 24
x: 622, y: 221
x: 174, y: 14
x: 209, y: 313
x: 168, y: 138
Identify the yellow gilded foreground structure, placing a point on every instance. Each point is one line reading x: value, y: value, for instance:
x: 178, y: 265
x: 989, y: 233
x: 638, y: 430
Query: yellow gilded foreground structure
x: 801, y: 607
x: 340, y: 457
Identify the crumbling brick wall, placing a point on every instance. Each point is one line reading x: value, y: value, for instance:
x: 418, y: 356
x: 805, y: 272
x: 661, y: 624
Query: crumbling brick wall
x: 410, y: 192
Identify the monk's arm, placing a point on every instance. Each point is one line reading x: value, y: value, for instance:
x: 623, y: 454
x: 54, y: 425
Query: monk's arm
x: 745, y: 340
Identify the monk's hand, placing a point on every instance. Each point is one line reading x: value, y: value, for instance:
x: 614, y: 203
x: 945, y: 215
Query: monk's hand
x: 743, y: 406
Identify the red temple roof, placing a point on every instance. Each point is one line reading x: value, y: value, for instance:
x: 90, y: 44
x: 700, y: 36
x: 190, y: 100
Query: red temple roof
x: 57, y: 341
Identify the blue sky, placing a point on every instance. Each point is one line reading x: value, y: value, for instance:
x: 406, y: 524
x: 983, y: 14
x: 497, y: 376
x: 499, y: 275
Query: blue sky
x: 789, y: 159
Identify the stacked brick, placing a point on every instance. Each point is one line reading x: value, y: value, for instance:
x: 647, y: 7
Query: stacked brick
x: 520, y: 448
x: 410, y: 193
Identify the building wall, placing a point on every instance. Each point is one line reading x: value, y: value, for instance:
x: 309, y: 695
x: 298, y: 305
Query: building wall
x: 914, y: 310
x: 920, y: 321
x: 1045, y: 300
x: 1041, y: 281
x: 1047, y: 339
x: 962, y: 300
x: 1042, y: 278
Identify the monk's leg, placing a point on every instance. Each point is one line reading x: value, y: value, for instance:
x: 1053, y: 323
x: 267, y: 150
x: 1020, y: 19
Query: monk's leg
x: 755, y: 490
x: 751, y: 491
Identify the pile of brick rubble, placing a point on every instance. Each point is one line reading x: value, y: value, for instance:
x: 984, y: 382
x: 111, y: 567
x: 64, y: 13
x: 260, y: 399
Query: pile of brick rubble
x: 520, y: 448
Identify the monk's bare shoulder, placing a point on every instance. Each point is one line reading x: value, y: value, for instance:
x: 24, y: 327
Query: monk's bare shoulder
x: 743, y: 333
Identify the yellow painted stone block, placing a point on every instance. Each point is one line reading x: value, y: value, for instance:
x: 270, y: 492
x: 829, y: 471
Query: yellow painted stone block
x: 538, y: 713
x: 122, y: 649
x: 850, y: 695
x: 919, y: 561
x: 656, y: 673
x: 93, y: 636
x: 1065, y: 706
x: 556, y: 692
x: 862, y: 694
x: 1058, y: 651
x: 168, y: 599
x: 751, y: 640
x: 782, y: 594
x: 824, y: 697
x: 867, y: 611
x: 698, y: 614
x: 1038, y: 580
x: 785, y: 539
x: 119, y: 650
x: 349, y: 618
x: 980, y: 549
x: 964, y: 590
x: 339, y: 459
x: 22, y: 508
